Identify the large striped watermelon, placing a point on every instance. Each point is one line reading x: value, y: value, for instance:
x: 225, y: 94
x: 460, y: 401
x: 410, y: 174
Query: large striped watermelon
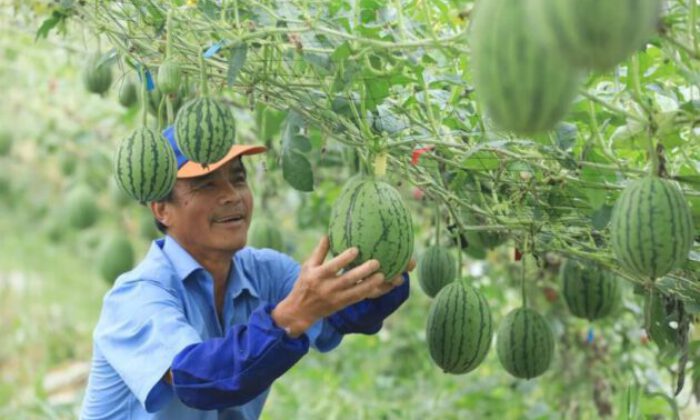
x: 459, y: 328
x: 144, y: 165
x: 651, y: 227
x: 436, y: 269
x: 523, y: 83
x: 204, y: 130
x: 525, y: 343
x: 590, y: 291
x: 371, y: 215
x: 596, y: 34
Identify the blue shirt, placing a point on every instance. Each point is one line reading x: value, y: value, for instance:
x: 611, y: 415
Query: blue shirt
x: 161, y: 316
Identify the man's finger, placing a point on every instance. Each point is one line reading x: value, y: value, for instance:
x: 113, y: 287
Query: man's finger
x: 359, y: 273
x: 331, y: 267
x: 367, y: 287
x: 319, y: 253
x: 411, y: 265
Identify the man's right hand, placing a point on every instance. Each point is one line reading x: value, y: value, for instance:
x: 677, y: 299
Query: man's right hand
x: 320, y: 290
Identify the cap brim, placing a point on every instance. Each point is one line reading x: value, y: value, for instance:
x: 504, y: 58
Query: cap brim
x: 193, y: 170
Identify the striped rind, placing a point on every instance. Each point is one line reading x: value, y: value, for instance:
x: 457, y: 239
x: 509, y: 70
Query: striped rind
x: 436, y: 268
x: 145, y: 166
x: 372, y: 216
x: 590, y: 291
x: 596, y: 34
x: 651, y: 227
x: 525, y: 343
x: 459, y: 328
x: 525, y: 85
x: 169, y: 75
x: 205, y: 130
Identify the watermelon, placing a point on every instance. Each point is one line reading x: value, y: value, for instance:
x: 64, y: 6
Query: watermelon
x: 459, y: 329
x: 81, y: 210
x: 651, y: 227
x: 524, y: 85
x: 371, y: 215
x: 128, y: 94
x: 436, y: 269
x: 145, y: 166
x: 590, y: 291
x: 169, y: 75
x: 596, y: 34
x: 204, y: 130
x: 97, y: 74
x: 116, y: 256
x: 525, y: 343
x: 479, y: 241
x: 264, y: 234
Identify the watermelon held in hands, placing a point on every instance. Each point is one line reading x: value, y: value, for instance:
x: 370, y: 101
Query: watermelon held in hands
x: 436, y: 269
x: 205, y: 130
x: 371, y: 215
x: 145, y: 166
x: 651, y: 227
x: 590, y: 291
x: 459, y: 328
x: 525, y: 343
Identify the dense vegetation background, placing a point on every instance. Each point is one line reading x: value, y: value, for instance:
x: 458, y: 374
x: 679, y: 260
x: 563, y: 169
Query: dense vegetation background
x: 405, y: 67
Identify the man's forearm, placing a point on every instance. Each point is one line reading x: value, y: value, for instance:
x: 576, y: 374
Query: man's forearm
x: 234, y: 369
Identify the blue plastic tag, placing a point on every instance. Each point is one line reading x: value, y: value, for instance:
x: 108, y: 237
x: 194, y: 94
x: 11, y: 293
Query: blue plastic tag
x: 212, y: 50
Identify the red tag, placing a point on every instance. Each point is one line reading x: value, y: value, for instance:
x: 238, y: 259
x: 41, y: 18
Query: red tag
x: 416, y: 154
x: 518, y: 255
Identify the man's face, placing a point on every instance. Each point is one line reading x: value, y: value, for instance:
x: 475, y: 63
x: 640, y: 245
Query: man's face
x: 212, y: 213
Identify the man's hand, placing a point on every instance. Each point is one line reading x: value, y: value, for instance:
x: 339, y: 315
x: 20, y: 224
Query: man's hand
x: 321, y: 291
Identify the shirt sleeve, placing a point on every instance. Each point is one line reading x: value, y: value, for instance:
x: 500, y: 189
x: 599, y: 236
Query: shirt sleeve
x: 322, y: 335
x: 230, y: 371
x: 367, y: 316
x: 141, y: 328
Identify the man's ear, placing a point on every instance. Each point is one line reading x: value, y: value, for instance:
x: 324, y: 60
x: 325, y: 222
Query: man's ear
x: 161, y: 212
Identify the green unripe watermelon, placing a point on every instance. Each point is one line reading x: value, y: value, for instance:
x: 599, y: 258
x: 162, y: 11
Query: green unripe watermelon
x: 436, y: 269
x: 459, y: 329
x: 596, y: 34
x: 523, y: 83
x: 590, y: 291
x: 204, y: 130
x: 128, y: 94
x: 525, y: 343
x: 97, y: 75
x: 372, y: 216
x: 479, y: 241
x: 81, y: 207
x: 651, y: 227
x: 5, y: 142
x: 116, y: 257
x: 264, y: 234
x: 67, y: 162
x: 145, y: 166
x: 169, y: 76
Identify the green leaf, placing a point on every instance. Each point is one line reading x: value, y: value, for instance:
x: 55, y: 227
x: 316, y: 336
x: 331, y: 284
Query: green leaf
x: 296, y: 170
x: 377, y: 89
x: 300, y: 142
x: 236, y: 62
x: 48, y: 25
x: 601, y: 217
x: 342, y: 52
x: 481, y: 161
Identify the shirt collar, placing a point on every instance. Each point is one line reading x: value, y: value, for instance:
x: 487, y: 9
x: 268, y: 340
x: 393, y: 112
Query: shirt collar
x: 185, y: 265
x: 238, y: 273
x: 181, y: 260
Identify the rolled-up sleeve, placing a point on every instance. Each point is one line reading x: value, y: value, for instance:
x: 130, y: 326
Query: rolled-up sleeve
x: 141, y: 329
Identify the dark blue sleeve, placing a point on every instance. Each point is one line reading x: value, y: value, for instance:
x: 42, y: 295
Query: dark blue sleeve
x: 232, y: 370
x: 367, y: 316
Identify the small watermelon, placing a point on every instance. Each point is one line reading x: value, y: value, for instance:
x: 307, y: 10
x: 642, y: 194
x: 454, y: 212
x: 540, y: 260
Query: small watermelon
x: 525, y: 343
x: 169, y: 75
x: 116, y: 256
x: 459, y: 329
x: 81, y: 209
x: 97, y: 74
x: 436, y: 269
x: 590, y: 291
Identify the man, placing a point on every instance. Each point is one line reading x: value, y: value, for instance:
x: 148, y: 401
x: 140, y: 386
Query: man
x: 203, y: 325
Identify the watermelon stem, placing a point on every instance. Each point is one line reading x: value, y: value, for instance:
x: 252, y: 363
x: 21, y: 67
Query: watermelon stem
x: 203, y: 76
x: 522, y: 283
x: 144, y: 96
x: 168, y: 32
x: 437, y: 225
